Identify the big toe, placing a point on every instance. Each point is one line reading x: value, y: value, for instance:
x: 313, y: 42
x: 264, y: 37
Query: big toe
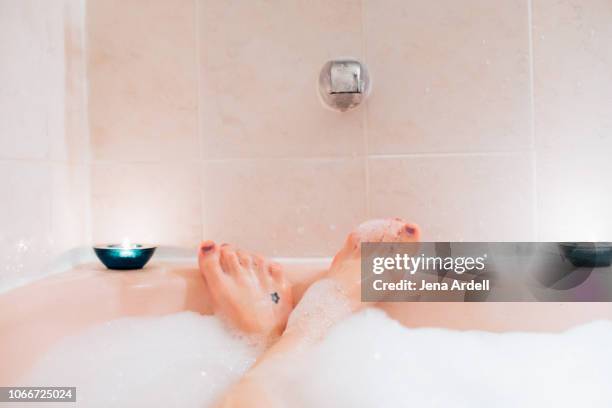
x: 399, y: 230
x: 208, y: 261
x: 410, y: 233
x: 206, y: 250
x: 388, y: 230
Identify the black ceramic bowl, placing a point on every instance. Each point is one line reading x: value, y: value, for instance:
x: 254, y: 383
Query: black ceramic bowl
x: 588, y: 254
x: 117, y: 257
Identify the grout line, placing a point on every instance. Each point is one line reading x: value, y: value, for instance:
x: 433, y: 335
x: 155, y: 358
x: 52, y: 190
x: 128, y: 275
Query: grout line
x: 373, y: 156
x: 364, y: 117
x: 198, y: 64
x: 446, y: 154
x: 85, y: 100
x: 85, y: 96
x: 172, y: 162
x: 199, y: 113
x: 531, y: 75
x: 534, y: 155
x: 368, y: 201
x: 45, y: 160
x: 279, y: 159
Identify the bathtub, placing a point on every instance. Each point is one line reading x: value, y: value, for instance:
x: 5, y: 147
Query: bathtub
x: 36, y: 316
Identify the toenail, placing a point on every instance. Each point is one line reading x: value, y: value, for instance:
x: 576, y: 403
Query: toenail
x: 224, y: 244
x: 410, y: 230
x: 207, y: 248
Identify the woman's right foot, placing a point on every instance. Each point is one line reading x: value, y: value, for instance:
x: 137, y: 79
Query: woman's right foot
x: 346, y: 266
x: 338, y: 293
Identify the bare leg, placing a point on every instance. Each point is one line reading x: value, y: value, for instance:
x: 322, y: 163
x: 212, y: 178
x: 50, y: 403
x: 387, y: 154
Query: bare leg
x: 301, y: 278
x: 325, y: 303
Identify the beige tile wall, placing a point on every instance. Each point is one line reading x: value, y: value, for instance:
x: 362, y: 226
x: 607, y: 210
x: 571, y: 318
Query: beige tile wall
x: 142, y: 71
x: 572, y: 43
x: 259, y: 63
x: 143, y: 116
x: 147, y: 202
x: 487, y: 120
x: 450, y: 76
x: 480, y: 197
x: 278, y: 206
x: 44, y: 145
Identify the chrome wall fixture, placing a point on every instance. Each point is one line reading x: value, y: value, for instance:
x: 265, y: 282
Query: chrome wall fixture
x: 343, y: 84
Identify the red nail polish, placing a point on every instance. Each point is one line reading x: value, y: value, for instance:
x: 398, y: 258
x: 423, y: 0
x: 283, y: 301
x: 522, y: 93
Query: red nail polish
x: 207, y: 248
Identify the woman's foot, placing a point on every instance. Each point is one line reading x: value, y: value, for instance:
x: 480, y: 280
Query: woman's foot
x: 346, y: 266
x: 324, y: 304
x: 338, y: 293
x: 254, y: 296
x: 249, y: 292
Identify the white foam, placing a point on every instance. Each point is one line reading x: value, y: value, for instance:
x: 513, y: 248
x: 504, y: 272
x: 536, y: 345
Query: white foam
x: 320, y: 308
x: 372, y: 361
x: 367, y: 228
x: 180, y: 360
x: 369, y: 360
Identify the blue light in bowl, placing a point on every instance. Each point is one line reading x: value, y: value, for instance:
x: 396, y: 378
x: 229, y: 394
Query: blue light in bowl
x: 124, y: 256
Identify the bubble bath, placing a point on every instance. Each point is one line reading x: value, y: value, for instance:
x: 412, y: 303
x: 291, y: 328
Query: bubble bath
x: 371, y: 360
x: 368, y: 360
x: 178, y: 360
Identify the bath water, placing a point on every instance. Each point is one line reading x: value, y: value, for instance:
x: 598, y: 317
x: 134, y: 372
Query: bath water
x: 368, y: 360
x: 179, y: 360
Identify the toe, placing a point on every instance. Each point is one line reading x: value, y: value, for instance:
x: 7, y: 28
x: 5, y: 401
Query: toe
x: 260, y: 266
x: 401, y: 231
x: 244, y: 259
x: 411, y: 233
x: 388, y: 230
x: 230, y: 263
x: 353, y: 240
x: 392, y: 231
x: 352, y: 245
x: 206, y: 251
x: 374, y: 230
x: 205, y: 247
x: 276, y: 272
x: 208, y: 260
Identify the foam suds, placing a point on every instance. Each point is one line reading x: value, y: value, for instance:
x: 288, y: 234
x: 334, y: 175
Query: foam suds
x: 370, y: 360
x: 322, y: 306
x: 368, y: 228
x: 179, y: 360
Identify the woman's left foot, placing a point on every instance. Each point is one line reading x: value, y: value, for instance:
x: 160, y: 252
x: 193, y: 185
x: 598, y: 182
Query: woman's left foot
x: 246, y: 290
